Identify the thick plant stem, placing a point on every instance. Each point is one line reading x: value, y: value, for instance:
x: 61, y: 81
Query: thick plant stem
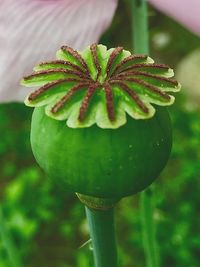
x: 8, y: 244
x: 102, y: 232
x: 141, y: 46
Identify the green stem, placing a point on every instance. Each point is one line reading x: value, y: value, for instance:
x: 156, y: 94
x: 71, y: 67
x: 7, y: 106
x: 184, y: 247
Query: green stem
x: 140, y: 27
x: 102, y: 232
x: 149, y: 230
x: 8, y: 243
x: 141, y: 46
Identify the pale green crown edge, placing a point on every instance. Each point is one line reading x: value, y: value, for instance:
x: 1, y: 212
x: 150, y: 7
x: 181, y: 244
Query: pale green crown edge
x: 97, y: 113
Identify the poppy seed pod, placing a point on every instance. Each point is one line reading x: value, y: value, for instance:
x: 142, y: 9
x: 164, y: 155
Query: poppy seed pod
x: 95, y: 129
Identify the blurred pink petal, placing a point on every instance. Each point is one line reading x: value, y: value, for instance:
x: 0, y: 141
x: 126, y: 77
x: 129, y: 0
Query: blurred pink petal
x: 32, y: 31
x: 186, y: 12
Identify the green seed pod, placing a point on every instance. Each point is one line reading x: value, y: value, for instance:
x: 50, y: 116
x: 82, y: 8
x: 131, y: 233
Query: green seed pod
x: 102, y: 162
x: 114, y: 144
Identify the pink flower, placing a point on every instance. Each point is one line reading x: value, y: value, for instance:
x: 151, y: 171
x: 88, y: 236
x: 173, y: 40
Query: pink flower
x: 187, y: 12
x: 33, y: 30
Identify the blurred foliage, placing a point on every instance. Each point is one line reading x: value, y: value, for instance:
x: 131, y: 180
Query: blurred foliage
x: 48, y: 226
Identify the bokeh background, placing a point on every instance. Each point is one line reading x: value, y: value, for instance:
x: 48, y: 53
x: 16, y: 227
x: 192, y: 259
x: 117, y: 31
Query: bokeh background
x: 46, y: 227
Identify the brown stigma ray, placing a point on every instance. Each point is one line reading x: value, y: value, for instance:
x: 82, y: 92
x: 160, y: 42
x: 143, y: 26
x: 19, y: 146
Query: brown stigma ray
x: 109, y: 101
x: 55, y: 71
x: 93, y: 49
x: 127, y: 60
x: 77, y: 56
x: 48, y: 86
x: 112, y: 58
x: 149, y: 66
x: 86, y: 101
x: 147, y: 75
x: 64, y: 63
x: 67, y: 97
x: 149, y: 87
x: 132, y: 94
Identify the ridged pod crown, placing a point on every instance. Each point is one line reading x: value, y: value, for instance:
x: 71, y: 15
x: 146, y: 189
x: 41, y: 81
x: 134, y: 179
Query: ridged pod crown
x: 100, y: 86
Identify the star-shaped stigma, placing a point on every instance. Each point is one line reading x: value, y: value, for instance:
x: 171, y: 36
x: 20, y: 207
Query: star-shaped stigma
x: 100, y: 86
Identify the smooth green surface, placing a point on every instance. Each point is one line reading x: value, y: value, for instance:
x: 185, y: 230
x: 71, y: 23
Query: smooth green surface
x: 102, y: 163
x: 102, y: 232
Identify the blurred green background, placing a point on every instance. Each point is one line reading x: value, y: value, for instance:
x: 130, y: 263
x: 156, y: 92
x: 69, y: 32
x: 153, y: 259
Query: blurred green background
x: 47, y: 226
